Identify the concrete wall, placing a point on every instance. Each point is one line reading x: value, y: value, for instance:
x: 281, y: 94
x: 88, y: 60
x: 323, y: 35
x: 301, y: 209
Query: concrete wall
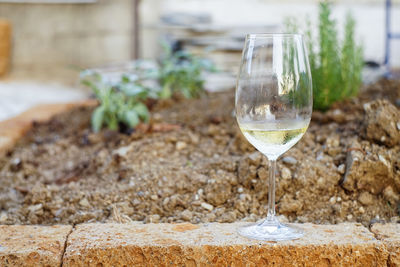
x: 50, y: 40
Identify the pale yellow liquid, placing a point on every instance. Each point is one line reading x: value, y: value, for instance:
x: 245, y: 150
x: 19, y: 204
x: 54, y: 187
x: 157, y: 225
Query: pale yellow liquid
x: 274, y: 138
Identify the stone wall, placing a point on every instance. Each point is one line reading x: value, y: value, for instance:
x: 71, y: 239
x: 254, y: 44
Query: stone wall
x: 52, y: 40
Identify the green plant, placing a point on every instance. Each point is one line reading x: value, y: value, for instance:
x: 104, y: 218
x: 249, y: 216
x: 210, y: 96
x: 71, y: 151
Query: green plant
x: 335, y: 68
x: 181, y: 72
x: 120, y: 105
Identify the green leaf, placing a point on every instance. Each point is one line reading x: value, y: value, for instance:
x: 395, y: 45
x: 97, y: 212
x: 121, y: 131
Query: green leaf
x: 125, y: 79
x: 142, y: 111
x: 97, y: 118
x: 132, y: 89
x: 165, y: 92
x: 131, y: 118
x: 112, y: 123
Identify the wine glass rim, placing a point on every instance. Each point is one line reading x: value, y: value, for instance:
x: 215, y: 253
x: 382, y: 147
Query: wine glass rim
x: 271, y: 35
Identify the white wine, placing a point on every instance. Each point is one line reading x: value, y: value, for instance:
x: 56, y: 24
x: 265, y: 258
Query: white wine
x: 274, y: 138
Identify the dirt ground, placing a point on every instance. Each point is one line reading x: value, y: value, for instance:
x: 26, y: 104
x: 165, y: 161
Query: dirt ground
x: 193, y: 164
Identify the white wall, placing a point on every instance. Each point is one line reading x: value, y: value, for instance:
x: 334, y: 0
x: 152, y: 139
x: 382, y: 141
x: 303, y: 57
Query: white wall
x: 369, y: 15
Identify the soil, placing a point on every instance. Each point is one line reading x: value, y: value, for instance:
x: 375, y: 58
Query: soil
x: 193, y: 164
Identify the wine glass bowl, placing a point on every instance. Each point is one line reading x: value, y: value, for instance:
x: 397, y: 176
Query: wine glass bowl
x: 273, y: 107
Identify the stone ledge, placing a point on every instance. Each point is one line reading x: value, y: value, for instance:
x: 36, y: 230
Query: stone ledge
x: 218, y: 244
x: 214, y: 244
x: 390, y: 235
x: 29, y: 245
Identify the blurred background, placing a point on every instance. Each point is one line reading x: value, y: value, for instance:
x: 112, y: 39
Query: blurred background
x: 45, y: 44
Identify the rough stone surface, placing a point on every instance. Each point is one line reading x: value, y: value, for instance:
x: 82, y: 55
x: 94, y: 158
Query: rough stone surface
x: 390, y: 235
x: 368, y: 171
x: 23, y: 245
x: 382, y: 120
x: 215, y: 244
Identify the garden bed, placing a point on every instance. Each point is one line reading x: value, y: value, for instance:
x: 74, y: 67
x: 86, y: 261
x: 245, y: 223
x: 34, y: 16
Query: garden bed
x: 192, y: 164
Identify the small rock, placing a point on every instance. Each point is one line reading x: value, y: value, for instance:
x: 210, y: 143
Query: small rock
x: 36, y: 208
x: 341, y: 168
x: 227, y: 217
x: 349, y: 217
x: 332, y: 200
x: 366, y: 198
x: 383, y: 160
x: 246, y: 172
x: 16, y: 165
x: 69, y: 165
x: 3, y: 217
x: 136, y: 201
x: 381, y: 120
x: 241, y: 206
x: 262, y: 174
x: 154, y: 197
x: 176, y: 200
x: 320, y: 156
x: 333, y: 141
x: 84, y: 203
x: 194, y: 138
x: 288, y: 205
x: 207, y: 206
x: 210, y: 217
x: 245, y: 197
x: 122, y: 151
x: 255, y: 158
x: 289, y: 160
x: 218, y: 193
x: 395, y: 219
x: 165, y: 201
x: 338, y: 116
x: 282, y: 218
x: 286, y: 173
x: 180, y: 145
x: 240, y: 190
x: 376, y: 220
x: 390, y: 195
x: 154, y: 218
x: 361, y: 210
x: 187, y: 215
x: 365, y: 173
x: 320, y: 138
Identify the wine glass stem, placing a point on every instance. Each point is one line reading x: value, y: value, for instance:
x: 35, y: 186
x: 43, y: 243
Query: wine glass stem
x: 271, y: 190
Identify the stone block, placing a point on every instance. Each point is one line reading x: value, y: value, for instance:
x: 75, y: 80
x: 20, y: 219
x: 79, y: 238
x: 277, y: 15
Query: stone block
x: 216, y: 244
x: 29, y: 245
x: 390, y: 235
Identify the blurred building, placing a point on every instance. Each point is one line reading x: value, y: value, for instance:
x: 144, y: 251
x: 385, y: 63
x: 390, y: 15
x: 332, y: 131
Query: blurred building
x: 53, y: 40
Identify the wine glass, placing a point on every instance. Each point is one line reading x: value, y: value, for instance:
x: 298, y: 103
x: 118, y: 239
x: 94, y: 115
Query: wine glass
x: 273, y: 108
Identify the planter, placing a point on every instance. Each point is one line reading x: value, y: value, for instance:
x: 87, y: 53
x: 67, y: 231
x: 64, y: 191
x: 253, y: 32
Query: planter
x: 192, y: 165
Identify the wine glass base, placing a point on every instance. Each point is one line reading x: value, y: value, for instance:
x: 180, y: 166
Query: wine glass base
x: 270, y: 231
